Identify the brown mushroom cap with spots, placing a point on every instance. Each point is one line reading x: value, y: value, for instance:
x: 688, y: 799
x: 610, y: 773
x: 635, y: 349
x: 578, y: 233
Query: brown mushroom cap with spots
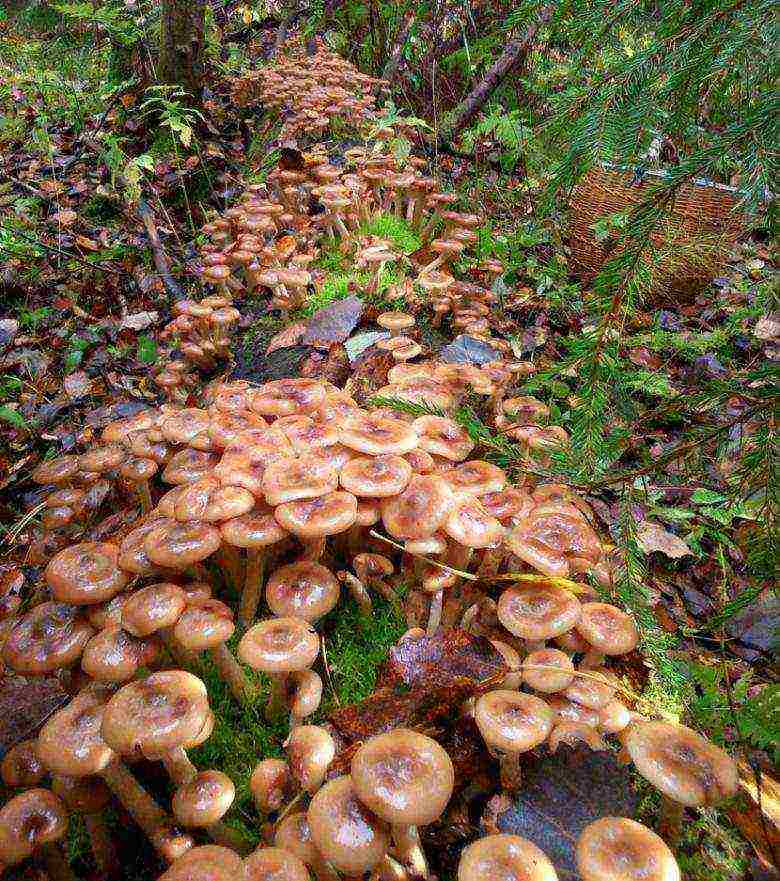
x: 86, y: 573
x: 21, y: 767
x: 308, y: 477
x: 548, y: 670
x: 608, y: 629
x: 49, y: 637
x: 204, y: 800
x: 209, y: 862
x: 113, y: 655
x: 682, y: 764
x: 271, y: 784
x: 471, y: 526
x: 279, y: 645
x: 328, y: 514
x: 376, y: 477
x: 293, y: 834
x: 377, y: 435
x: 59, y: 470
x: 152, y: 608
x: 30, y: 820
x: 208, y: 499
x: 538, y: 611
x: 283, y: 397
x: 505, y: 857
x: 420, y: 510
x: 179, y: 545
x: 619, y: 849
x: 441, y: 436
x: 274, y: 864
x: 347, y: 833
x: 189, y: 465
x: 304, y: 590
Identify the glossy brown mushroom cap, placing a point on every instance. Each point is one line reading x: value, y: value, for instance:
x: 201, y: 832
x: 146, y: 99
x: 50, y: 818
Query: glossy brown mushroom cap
x: 619, y: 849
x: 347, y: 834
x: 375, y: 477
x: 280, y: 645
x: 207, y: 863
x: 83, y: 795
x: 271, y: 783
x: 153, y: 608
x: 203, y: 800
x: 405, y: 777
x: 71, y: 741
x: 328, y: 514
x: 304, y: 590
x: 682, y: 764
x: 505, y: 858
x: 548, y: 670
x: 607, y: 628
x: 29, y: 820
x: 86, y: 573
x: 203, y: 625
x: 48, y: 637
x: 538, y: 611
x: 310, y: 750
x: 154, y: 715
x: 21, y: 766
x: 274, y: 864
x: 179, y: 545
x: 113, y: 655
x: 511, y: 721
x: 420, y: 510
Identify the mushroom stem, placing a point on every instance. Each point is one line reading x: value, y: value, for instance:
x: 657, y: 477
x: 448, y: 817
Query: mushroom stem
x: 201, y: 573
x: 103, y: 849
x: 142, y: 808
x: 389, y: 870
x: 511, y: 775
x: 183, y: 658
x: 224, y: 835
x: 670, y: 821
x: 253, y: 582
x: 277, y: 700
x: 145, y: 495
x: 322, y: 869
x: 434, y: 615
x: 180, y: 769
x: 229, y: 560
x: 358, y: 591
x: 313, y: 549
x: 230, y: 670
x: 593, y: 660
x: 409, y: 851
x: 57, y: 867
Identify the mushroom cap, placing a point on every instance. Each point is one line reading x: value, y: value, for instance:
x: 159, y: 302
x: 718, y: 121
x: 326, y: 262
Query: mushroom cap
x: 294, y: 835
x: 608, y: 629
x: 347, y: 833
x: 203, y: 625
x: 29, y: 820
x: 505, y: 858
x: 538, y: 611
x: 82, y: 795
x: 477, y: 478
x: 71, y: 741
x: 274, y: 864
x: 511, y: 721
x: 619, y: 849
x: 595, y: 690
x: 420, y: 510
x: 377, y: 435
x: 548, y: 670
x: 85, y: 573
x: 154, y: 715
x: 132, y: 556
x: 113, y: 655
x: 48, y: 637
x: 406, y: 778
x: 505, y: 505
x: 179, y: 545
x: 189, y: 465
x: 310, y: 750
x: 443, y: 437
x: 257, y: 529
x: 395, y: 321
x: 21, y: 767
x: 209, y: 500
x: 305, y: 478
x: 375, y: 477
x: 304, y: 590
x: 138, y: 468
x: 682, y: 764
x: 280, y: 645
x: 203, y: 800
x: 184, y: 425
x: 271, y: 783
x: 206, y: 863
x: 153, y: 608
x: 102, y: 458
x: 470, y: 525
x: 552, y: 535
x: 283, y: 397
x: 328, y: 514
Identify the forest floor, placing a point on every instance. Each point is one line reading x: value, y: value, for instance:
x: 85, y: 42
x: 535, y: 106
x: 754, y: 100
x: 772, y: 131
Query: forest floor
x: 82, y: 304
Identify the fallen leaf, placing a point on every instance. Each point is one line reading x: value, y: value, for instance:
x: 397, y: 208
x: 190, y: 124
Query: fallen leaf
x: 768, y: 327
x: 87, y: 244
x: 358, y: 344
x: 25, y: 704
x: 466, y: 349
x: 9, y: 327
x: 138, y: 321
x: 560, y: 796
x: 333, y: 323
x: 652, y: 537
x: 76, y: 385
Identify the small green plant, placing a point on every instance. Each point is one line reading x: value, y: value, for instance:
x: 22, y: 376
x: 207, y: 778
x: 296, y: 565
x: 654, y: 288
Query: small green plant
x: 168, y: 104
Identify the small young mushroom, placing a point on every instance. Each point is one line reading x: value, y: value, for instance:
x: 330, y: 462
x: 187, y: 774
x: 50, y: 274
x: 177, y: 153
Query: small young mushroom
x: 310, y: 752
x: 158, y: 718
x: 277, y: 648
x: 210, y: 862
x: 512, y: 723
x: 614, y: 717
x: 293, y: 835
x: 274, y: 864
x: 686, y: 768
x: 21, y: 768
x: 304, y: 590
x: 346, y: 832
x: 503, y: 856
x: 406, y: 779
x: 305, y: 697
x: 271, y: 785
x: 35, y: 820
x: 619, y: 849
x: 202, y: 802
x: 609, y: 630
x: 395, y: 322
x: 538, y: 612
x: 207, y: 625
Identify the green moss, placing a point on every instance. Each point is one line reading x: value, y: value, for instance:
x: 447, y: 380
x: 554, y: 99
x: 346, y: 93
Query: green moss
x: 396, y: 229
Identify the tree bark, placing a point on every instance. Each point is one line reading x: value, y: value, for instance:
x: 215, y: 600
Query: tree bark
x: 181, y: 44
x: 393, y: 63
x: 515, y: 52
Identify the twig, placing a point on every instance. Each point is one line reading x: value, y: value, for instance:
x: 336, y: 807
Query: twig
x: 158, y: 253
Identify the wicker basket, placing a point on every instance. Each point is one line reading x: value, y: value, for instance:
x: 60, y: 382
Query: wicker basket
x: 687, y: 249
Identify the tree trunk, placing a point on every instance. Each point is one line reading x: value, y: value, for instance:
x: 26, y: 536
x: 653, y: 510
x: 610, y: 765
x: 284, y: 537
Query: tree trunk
x: 182, y: 43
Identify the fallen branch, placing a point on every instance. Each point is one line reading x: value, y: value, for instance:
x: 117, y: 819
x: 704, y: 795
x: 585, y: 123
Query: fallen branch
x: 158, y: 252
x: 515, y: 52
